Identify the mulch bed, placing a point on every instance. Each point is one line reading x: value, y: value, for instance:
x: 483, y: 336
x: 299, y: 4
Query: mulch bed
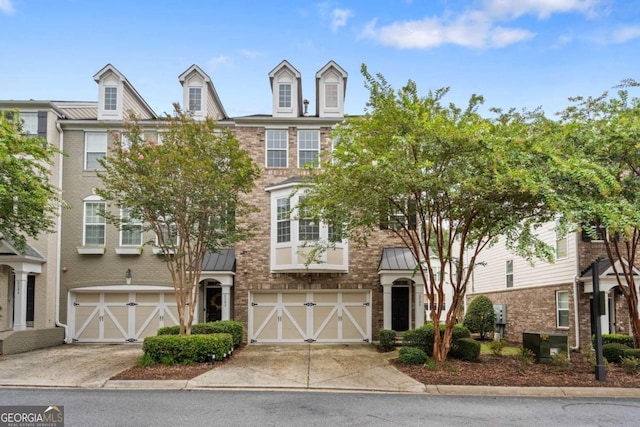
x: 503, y: 371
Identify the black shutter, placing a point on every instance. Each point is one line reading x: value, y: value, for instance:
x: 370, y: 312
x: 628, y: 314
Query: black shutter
x: 42, y: 124
x: 412, y: 214
x: 585, y: 235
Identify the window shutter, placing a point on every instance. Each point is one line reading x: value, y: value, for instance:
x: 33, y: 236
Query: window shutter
x: 585, y: 236
x: 412, y: 214
x: 42, y: 124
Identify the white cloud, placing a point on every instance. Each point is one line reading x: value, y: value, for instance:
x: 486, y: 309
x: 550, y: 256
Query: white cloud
x: 251, y: 54
x: 624, y: 34
x: 339, y: 18
x: 213, y: 63
x: 6, y: 6
x: 476, y: 28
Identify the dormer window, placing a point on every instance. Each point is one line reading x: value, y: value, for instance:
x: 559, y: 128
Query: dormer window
x: 331, y: 95
x: 195, y: 99
x: 110, y: 98
x: 284, y: 95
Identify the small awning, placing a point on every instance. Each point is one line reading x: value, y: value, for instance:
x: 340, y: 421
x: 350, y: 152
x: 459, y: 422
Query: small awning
x: 397, y: 259
x: 222, y: 260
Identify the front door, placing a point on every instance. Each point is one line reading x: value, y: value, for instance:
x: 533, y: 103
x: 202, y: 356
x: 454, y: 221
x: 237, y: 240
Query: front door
x: 400, y: 308
x: 214, y: 304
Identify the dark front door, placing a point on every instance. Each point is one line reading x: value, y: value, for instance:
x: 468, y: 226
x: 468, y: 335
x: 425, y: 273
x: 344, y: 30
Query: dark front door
x: 214, y: 304
x: 400, y: 308
x: 31, y: 291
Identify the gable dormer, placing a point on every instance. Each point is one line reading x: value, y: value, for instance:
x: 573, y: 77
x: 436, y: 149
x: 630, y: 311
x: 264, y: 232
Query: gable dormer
x: 117, y: 97
x: 199, y: 95
x: 286, y: 86
x: 331, y: 86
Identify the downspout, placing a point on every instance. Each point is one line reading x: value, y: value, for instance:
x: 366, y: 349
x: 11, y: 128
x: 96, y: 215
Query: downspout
x: 576, y: 317
x: 59, y: 236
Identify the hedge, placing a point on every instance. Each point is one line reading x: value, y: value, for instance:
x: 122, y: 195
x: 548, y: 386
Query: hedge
x: 221, y: 326
x: 614, y: 338
x: 422, y: 337
x: 185, y: 349
x: 412, y: 356
x: 387, y: 338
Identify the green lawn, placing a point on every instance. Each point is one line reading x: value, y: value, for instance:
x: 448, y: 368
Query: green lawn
x: 507, y: 351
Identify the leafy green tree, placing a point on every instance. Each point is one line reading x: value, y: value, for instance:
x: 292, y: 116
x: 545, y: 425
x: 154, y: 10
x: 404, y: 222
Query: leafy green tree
x: 480, y: 317
x: 188, y: 190
x: 602, y: 135
x: 29, y: 202
x: 450, y: 180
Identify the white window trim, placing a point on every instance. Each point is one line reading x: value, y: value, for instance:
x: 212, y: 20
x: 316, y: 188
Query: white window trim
x: 92, y: 249
x: 201, y: 109
x: 86, y: 139
x: 508, y: 274
x: 317, y: 131
x: 558, y: 310
x: 266, y: 149
x: 127, y: 223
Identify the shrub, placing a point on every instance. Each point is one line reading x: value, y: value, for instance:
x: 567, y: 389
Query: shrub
x: 412, y: 356
x: 466, y: 349
x: 561, y: 361
x: 614, y: 338
x: 387, y: 339
x: 614, y: 352
x: 480, y: 317
x: 524, y: 358
x: 145, y: 361
x: 633, y: 353
x: 422, y: 337
x: 185, y: 349
x: 496, y: 346
x: 221, y: 326
x: 630, y: 365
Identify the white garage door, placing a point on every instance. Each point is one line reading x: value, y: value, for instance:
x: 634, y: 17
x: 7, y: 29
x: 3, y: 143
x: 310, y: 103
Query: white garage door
x: 331, y: 317
x: 114, y: 315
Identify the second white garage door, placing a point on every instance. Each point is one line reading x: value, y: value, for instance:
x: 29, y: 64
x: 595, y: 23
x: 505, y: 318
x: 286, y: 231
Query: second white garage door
x: 303, y: 316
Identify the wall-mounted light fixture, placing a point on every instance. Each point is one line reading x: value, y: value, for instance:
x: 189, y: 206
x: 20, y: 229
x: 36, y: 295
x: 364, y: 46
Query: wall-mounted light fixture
x: 127, y: 276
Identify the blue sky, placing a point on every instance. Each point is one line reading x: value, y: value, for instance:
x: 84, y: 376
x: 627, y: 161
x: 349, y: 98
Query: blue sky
x: 517, y: 53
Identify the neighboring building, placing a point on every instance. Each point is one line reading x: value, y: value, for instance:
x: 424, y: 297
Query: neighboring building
x: 28, y: 291
x: 101, y: 284
x: 551, y: 297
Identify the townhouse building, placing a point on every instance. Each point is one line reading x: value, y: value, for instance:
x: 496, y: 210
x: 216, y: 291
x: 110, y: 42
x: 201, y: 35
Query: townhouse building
x: 98, y: 283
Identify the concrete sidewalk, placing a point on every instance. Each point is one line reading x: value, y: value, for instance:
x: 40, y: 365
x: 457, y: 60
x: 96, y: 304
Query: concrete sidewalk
x: 303, y: 367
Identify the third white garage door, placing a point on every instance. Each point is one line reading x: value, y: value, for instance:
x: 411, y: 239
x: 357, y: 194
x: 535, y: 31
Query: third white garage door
x: 304, y: 316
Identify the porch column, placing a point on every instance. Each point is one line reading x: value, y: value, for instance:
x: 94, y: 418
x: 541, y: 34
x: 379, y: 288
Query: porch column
x: 386, y: 305
x: 419, y: 304
x: 226, y: 301
x: 20, y: 301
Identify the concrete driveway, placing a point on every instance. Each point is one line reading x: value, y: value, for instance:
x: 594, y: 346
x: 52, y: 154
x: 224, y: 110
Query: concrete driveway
x: 293, y: 366
x: 70, y: 365
x: 309, y: 366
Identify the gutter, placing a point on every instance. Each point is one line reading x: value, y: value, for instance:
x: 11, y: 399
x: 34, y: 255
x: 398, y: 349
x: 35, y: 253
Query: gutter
x: 59, y: 237
x: 576, y: 317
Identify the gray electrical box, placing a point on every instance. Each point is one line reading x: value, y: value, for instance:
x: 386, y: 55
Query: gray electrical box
x: 501, y: 313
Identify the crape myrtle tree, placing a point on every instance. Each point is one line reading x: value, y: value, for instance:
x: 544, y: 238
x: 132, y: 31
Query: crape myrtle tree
x: 450, y: 180
x: 188, y: 189
x: 603, y: 135
x: 29, y: 201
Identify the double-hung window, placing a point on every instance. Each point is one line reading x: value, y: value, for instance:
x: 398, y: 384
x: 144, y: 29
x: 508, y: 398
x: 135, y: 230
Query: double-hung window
x: 130, y: 229
x: 562, y: 309
x: 308, y: 228
x: 110, y: 98
x: 308, y: 148
x: 29, y: 124
x: 94, y: 223
x: 277, y: 148
x: 331, y: 95
x: 562, y: 243
x: 509, y: 273
x: 283, y: 220
x: 95, y: 148
x: 284, y: 95
x: 195, y: 99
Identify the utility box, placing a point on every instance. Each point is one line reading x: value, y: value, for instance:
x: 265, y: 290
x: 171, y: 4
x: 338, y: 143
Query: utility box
x: 545, y: 344
x: 501, y: 313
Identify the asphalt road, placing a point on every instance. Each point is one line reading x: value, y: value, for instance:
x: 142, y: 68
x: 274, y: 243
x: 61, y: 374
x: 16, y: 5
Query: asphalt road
x: 100, y: 407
